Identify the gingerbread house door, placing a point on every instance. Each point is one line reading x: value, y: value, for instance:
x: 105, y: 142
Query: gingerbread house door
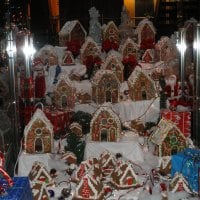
x: 129, y: 181
x: 104, y: 135
x: 108, y: 96
x: 38, y: 145
x: 64, y: 101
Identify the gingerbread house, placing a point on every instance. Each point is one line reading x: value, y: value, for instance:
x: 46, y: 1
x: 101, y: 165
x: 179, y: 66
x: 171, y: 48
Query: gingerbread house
x: 141, y: 86
x: 72, y: 31
x: 81, y: 171
x: 129, y: 48
x: 68, y: 59
x: 40, y: 174
x: 64, y: 93
x: 39, y: 191
x: 38, y: 134
x: 105, y: 125
x: 89, y: 188
x: 110, y: 32
x: 76, y: 129
x: 148, y: 56
x: 105, y: 87
x: 179, y: 184
x: 107, y: 162
x: 114, y: 64
x: 89, y: 48
x: 69, y: 158
x: 168, y: 139
x: 145, y: 32
x: 124, y: 177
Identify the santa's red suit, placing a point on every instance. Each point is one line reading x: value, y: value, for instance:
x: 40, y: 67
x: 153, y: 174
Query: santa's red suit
x: 173, y: 91
x: 40, y: 85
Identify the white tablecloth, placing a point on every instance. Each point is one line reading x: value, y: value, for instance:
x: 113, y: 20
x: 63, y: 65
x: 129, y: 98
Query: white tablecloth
x: 129, y: 150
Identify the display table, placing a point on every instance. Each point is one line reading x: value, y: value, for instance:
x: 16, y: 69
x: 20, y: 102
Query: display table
x: 129, y: 150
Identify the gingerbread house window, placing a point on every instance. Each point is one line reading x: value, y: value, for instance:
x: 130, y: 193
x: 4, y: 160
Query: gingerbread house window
x: 104, y: 121
x: 104, y: 135
x: 38, y: 131
x: 38, y: 145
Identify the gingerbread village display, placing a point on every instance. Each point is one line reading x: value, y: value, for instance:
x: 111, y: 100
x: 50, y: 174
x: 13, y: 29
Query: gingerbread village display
x: 120, y: 92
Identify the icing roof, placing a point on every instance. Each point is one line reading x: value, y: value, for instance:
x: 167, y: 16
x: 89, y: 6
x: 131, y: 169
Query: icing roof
x: 93, y: 184
x: 114, y: 59
x: 134, y: 75
x: 66, y: 79
x: 68, y: 27
x: 102, y: 72
x: 163, y: 127
x: 127, y: 42
x: 142, y: 23
x: 110, y: 23
x: 87, y: 42
x: 108, y: 110
x: 39, y: 114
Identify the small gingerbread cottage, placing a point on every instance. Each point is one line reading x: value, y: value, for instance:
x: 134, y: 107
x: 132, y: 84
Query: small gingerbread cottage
x: 40, y: 174
x: 89, y: 48
x: 145, y: 32
x: 89, y: 188
x: 114, y: 64
x: 179, y: 184
x: 168, y: 139
x: 81, y: 170
x: 64, y: 93
x: 107, y: 162
x: 38, y: 134
x: 39, y: 191
x: 110, y: 32
x: 141, y: 86
x: 69, y: 158
x: 68, y: 59
x: 105, y: 125
x: 105, y: 87
x: 72, y: 31
x: 124, y: 177
x: 129, y: 48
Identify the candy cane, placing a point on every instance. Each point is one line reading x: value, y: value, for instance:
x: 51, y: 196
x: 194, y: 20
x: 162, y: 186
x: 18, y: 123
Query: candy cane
x: 6, y: 176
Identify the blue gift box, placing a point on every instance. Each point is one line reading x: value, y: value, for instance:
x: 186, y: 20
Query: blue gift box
x: 20, y: 190
x: 187, y: 162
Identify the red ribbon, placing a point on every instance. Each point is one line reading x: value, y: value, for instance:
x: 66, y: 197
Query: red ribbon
x: 6, y: 176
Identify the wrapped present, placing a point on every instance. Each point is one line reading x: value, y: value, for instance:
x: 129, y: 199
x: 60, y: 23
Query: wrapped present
x: 187, y: 162
x: 59, y: 118
x: 19, y: 190
x: 181, y: 119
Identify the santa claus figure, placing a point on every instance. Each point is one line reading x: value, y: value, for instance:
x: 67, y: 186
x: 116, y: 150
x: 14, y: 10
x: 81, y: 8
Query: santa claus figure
x: 39, y: 77
x: 172, y: 88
